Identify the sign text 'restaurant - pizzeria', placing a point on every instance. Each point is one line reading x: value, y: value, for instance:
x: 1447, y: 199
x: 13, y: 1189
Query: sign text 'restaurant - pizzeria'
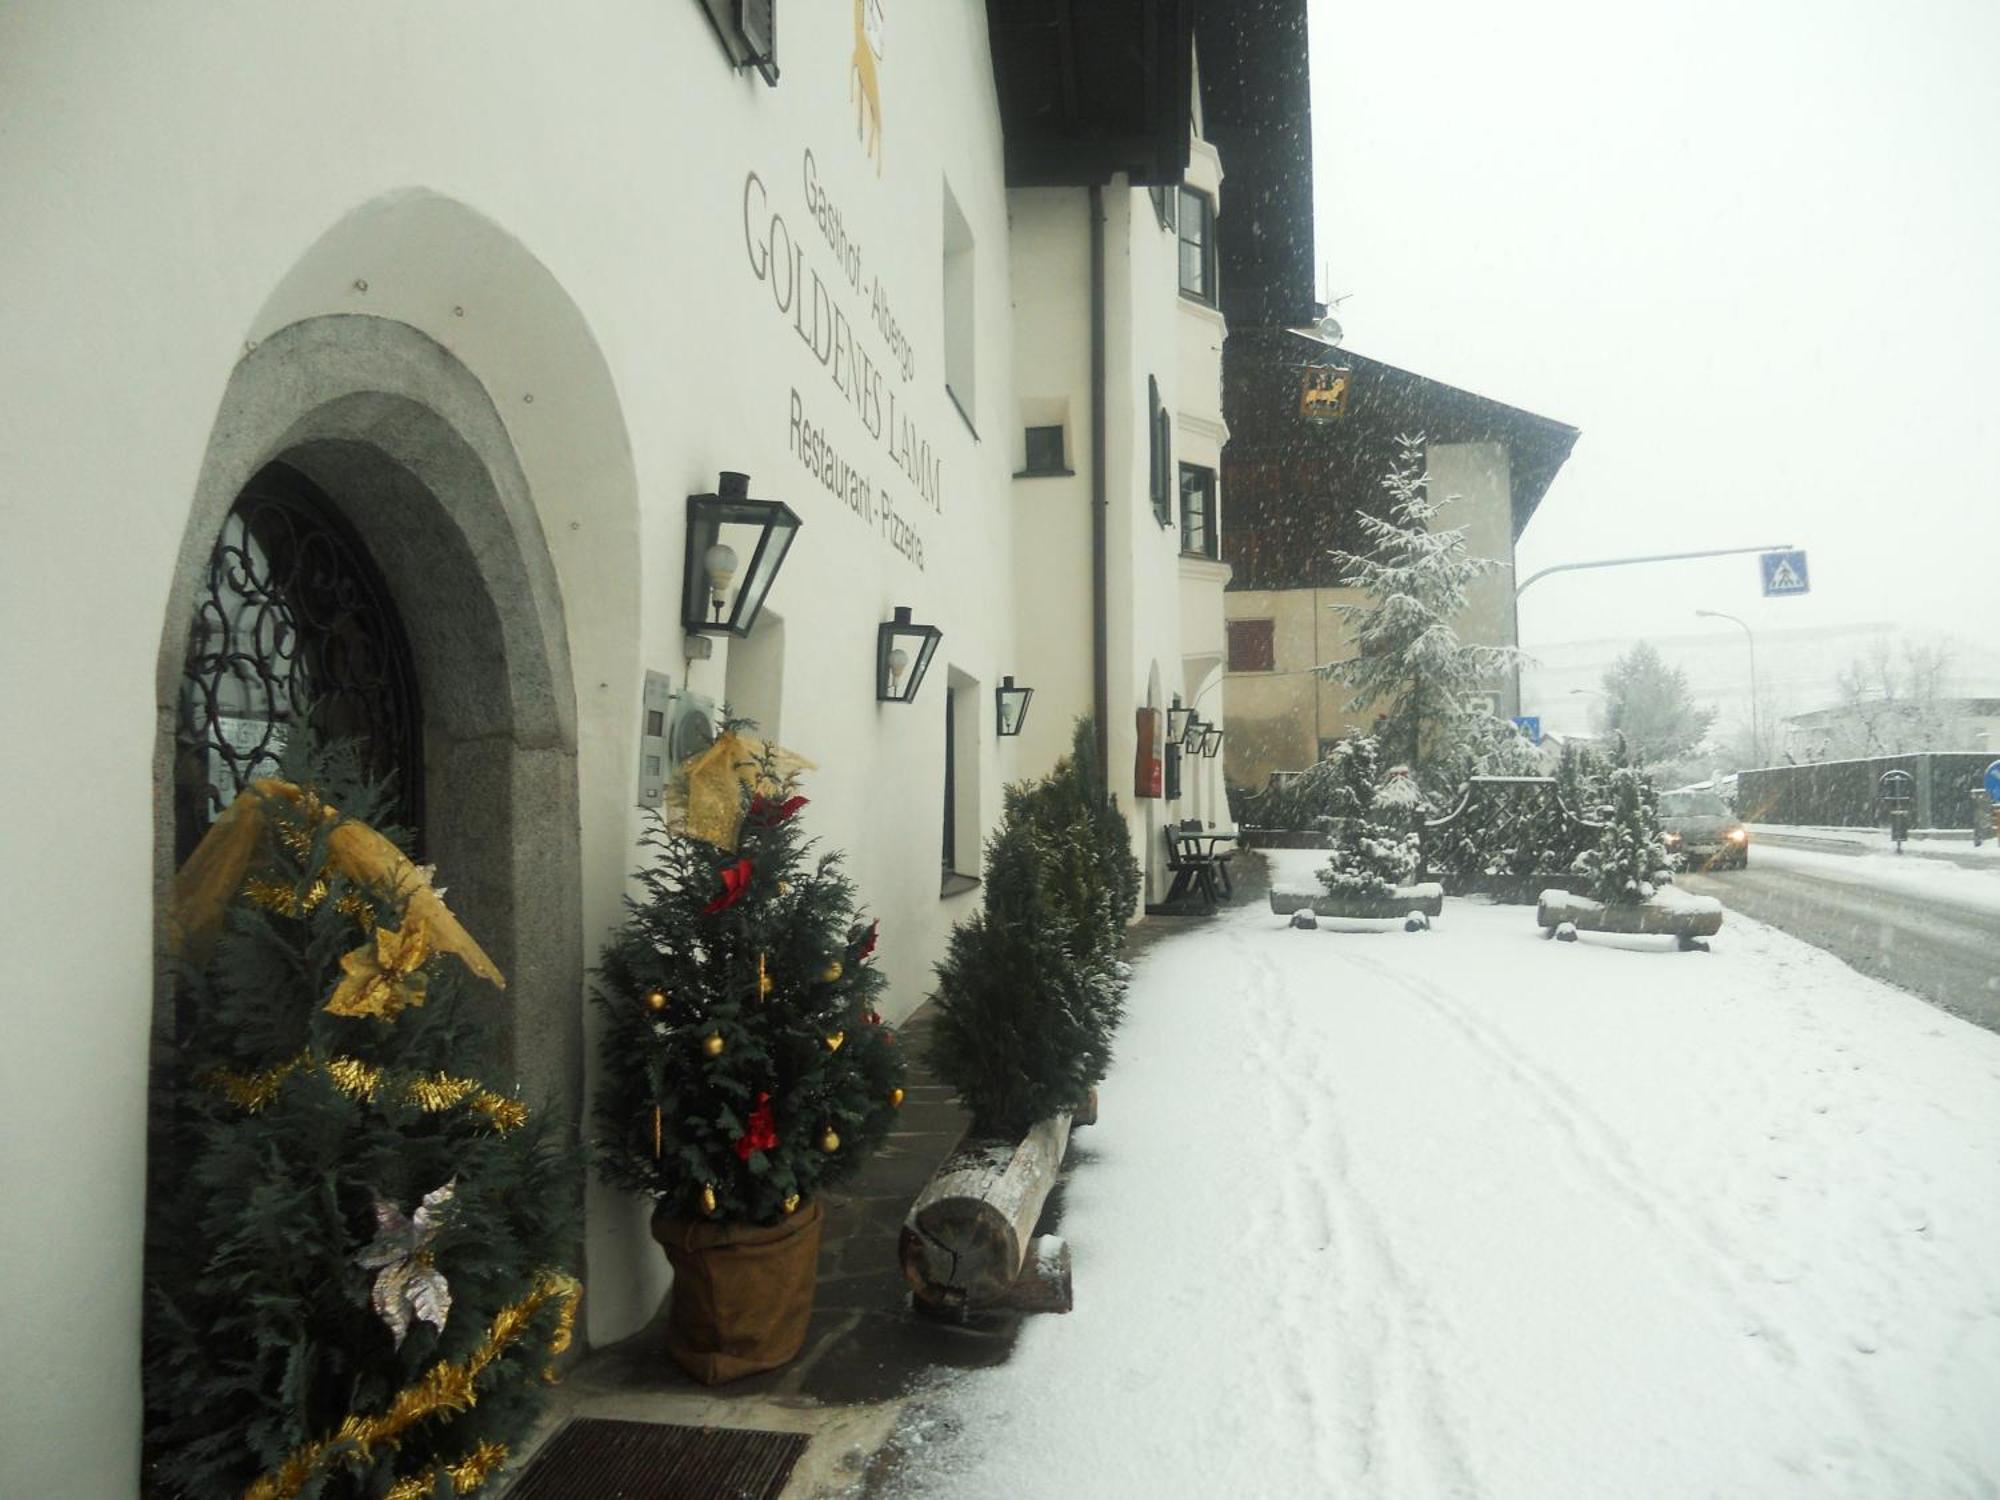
x: 872, y: 380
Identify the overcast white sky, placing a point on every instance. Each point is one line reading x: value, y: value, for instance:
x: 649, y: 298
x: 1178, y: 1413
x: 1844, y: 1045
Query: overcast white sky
x: 1751, y: 249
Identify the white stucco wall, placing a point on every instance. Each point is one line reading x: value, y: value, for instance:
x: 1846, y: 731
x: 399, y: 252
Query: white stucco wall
x: 559, y: 201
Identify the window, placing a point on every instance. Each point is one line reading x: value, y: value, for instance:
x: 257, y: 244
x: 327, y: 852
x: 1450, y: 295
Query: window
x: 1198, y: 511
x: 1197, y: 230
x: 1045, y: 451
x: 1166, y: 202
x: 1159, y: 479
x: 294, y: 632
x: 963, y: 722
x: 959, y: 282
x: 748, y: 31
x: 1251, y: 646
x: 1173, y: 787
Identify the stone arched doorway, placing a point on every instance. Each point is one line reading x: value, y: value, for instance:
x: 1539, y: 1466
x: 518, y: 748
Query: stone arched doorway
x: 402, y: 444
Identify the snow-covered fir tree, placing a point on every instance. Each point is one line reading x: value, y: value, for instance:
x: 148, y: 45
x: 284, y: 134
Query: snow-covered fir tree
x: 1409, y: 663
x: 1375, y: 847
x: 1630, y: 861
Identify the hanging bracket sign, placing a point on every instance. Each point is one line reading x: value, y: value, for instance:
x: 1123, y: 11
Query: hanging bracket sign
x: 1323, y: 393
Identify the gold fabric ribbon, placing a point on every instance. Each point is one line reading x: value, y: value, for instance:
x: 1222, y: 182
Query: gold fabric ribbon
x: 216, y: 871
x: 709, y: 789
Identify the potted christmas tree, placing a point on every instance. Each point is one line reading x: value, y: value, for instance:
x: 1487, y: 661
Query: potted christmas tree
x: 745, y: 1068
x: 1628, y: 877
x: 1371, y: 819
x: 355, y: 1229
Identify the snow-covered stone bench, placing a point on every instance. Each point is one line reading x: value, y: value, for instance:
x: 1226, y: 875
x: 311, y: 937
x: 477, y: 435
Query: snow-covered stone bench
x: 1427, y: 897
x: 1668, y: 912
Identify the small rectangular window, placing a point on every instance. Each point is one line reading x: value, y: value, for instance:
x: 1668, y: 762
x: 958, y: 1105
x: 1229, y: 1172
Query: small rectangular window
x: 1045, y: 451
x: 1166, y: 203
x: 748, y: 31
x: 1197, y: 236
x: 1252, y: 647
x: 1159, y: 477
x: 1198, y: 530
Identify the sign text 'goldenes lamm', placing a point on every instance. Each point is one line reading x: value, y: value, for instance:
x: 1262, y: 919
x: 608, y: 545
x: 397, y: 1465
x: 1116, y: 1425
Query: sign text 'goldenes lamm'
x: 873, y: 380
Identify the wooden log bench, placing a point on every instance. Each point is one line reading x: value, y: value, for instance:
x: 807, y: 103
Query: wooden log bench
x: 1427, y: 898
x: 1668, y: 912
x: 967, y: 1243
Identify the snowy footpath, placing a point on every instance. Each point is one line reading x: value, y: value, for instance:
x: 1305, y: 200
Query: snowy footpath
x: 1467, y: 1213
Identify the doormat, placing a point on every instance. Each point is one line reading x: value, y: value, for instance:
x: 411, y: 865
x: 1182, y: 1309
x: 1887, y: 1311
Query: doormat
x: 595, y: 1459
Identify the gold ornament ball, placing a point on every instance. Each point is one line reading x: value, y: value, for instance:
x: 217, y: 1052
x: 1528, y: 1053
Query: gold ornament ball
x: 830, y: 1142
x: 791, y: 1203
x: 784, y: 888
x: 656, y: 1000
x: 707, y: 1199
x: 712, y: 1044
x: 832, y: 972
x: 834, y: 1039
x: 895, y: 1098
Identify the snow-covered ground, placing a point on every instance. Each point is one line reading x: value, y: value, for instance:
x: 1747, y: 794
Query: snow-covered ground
x: 1926, y: 879
x: 1469, y: 1213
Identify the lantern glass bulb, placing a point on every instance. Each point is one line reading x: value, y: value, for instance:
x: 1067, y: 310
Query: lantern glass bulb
x: 899, y: 663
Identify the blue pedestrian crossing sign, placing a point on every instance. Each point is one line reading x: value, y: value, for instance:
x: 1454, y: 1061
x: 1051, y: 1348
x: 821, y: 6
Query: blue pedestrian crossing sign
x: 1530, y: 725
x: 1784, y: 573
x: 1993, y: 781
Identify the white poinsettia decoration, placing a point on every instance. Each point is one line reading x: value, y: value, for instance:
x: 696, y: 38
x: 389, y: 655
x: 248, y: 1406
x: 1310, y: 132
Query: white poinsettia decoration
x: 406, y: 1282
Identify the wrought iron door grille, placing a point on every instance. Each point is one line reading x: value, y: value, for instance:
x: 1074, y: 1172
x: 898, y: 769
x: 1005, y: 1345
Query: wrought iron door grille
x: 293, y: 627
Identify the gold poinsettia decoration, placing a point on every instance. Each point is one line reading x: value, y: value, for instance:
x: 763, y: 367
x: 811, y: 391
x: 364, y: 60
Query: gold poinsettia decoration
x: 384, y: 975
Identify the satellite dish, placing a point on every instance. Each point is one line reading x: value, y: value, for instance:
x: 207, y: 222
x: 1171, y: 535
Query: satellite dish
x: 1329, y: 329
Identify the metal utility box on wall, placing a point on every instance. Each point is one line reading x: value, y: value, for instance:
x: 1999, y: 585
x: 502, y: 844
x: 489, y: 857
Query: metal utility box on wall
x: 655, y: 716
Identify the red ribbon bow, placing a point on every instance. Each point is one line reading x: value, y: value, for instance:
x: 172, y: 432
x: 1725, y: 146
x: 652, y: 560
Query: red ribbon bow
x: 771, y: 814
x: 868, y: 947
x: 762, y: 1134
x: 735, y: 881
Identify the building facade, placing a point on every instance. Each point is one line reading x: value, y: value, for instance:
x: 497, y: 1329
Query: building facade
x: 1300, y: 480
x: 473, y: 300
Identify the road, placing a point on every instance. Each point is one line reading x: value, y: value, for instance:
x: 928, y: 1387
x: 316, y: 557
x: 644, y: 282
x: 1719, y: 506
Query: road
x: 1949, y: 955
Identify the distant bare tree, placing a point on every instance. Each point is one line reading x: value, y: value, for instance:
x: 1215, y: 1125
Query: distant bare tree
x: 1894, y: 702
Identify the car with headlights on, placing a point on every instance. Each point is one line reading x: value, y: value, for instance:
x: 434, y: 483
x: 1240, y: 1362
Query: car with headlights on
x: 1702, y: 831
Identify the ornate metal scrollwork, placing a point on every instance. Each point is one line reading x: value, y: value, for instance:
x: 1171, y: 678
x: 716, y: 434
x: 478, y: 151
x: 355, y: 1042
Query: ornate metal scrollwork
x: 293, y: 626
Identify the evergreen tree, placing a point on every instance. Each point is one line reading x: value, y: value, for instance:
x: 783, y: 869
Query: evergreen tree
x: 745, y: 1066
x: 1027, y: 998
x: 1091, y: 875
x: 1648, y: 704
x: 1375, y: 843
x: 1409, y: 663
x: 351, y: 1219
x: 1630, y: 861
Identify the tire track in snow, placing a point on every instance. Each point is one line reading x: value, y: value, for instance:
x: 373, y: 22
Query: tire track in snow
x: 1393, y: 1385
x: 1604, y: 1156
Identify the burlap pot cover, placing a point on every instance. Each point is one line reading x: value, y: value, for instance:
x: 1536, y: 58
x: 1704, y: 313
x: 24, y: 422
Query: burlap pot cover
x: 742, y: 1293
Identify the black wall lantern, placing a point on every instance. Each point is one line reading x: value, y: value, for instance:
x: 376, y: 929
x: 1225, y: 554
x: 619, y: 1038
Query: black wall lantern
x: 718, y: 594
x: 903, y: 652
x: 1011, y: 705
x: 1191, y: 740
x: 1178, y: 719
x: 1211, y: 741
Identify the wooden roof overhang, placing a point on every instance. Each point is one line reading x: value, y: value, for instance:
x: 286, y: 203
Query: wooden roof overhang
x: 1089, y: 88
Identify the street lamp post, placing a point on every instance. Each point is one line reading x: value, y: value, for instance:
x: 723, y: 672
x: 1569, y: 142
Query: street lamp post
x: 1756, y: 738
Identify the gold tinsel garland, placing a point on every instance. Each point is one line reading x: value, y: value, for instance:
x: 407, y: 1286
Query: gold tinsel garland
x: 467, y: 1475
x: 444, y: 1387
x: 432, y: 1093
